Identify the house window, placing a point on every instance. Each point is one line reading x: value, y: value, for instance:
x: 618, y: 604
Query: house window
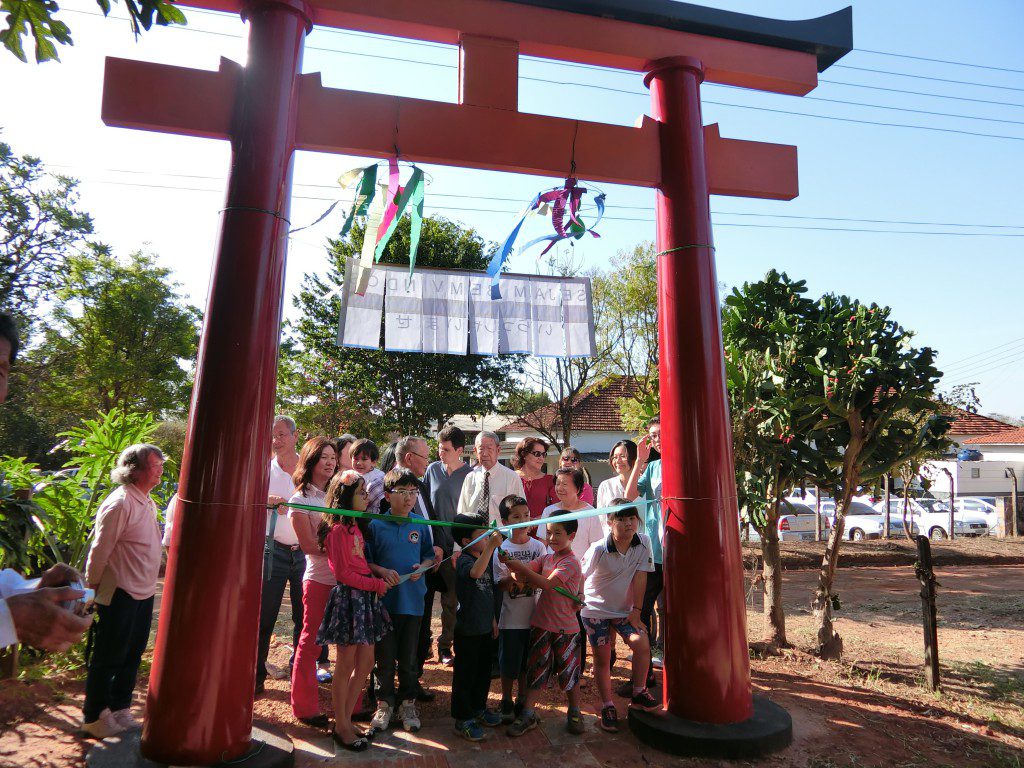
x: 975, y: 473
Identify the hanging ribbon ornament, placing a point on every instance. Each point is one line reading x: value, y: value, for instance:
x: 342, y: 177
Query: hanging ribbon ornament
x: 383, y: 206
x: 563, y: 201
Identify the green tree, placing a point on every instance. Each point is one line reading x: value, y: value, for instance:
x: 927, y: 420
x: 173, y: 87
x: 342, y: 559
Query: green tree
x: 41, y: 227
x: 376, y: 393
x: 37, y: 19
x: 867, y: 375
x: 763, y: 328
x: 119, y: 337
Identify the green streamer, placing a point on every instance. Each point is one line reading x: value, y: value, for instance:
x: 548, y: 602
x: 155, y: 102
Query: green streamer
x: 412, y: 191
x: 363, y: 198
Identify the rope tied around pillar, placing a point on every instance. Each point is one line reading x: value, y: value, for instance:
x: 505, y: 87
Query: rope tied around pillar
x: 253, y: 209
x: 684, y: 248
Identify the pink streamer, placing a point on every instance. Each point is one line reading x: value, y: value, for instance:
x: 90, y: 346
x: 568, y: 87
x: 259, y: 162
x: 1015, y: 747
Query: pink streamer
x: 392, y: 209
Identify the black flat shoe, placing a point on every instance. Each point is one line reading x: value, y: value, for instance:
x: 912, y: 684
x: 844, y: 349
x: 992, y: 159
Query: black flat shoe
x: 320, y: 722
x: 359, y: 745
x: 425, y: 696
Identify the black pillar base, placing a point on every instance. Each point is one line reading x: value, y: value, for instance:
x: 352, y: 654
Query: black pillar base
x: 768, y: 730
x: 270, y: 748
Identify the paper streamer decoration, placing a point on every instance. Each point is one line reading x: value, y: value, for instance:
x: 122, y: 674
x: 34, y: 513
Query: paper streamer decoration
x: 383, y: 208
x: 564, y: 200
x: 434, y: 311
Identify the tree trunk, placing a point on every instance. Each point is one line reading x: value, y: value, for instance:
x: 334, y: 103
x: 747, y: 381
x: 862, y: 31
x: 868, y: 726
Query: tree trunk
x: 906, y: 511
x: 774, y: 613
x: 830, y: 644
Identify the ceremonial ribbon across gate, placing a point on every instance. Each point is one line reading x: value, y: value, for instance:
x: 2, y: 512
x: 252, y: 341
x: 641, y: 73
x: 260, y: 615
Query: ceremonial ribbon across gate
x: 577, y: 515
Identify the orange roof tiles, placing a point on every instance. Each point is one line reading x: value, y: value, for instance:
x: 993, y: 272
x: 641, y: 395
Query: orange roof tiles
x: 1006, y: 437
x: 597, y: 408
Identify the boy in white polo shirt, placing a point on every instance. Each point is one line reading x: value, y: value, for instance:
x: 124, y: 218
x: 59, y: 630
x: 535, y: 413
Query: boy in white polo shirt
x: 615, y: 576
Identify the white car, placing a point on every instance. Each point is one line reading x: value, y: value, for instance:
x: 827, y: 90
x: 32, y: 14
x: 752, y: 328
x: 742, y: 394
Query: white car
x: 931, y: 517
x: 864, y: 521
x: 796, y: 521
x: 993, y: 517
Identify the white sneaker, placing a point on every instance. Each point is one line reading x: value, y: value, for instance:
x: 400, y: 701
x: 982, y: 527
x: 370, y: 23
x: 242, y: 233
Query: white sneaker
x: 104, y: 726
x: 124, y: 718
x: 410, y: 717
x: 382, y: 717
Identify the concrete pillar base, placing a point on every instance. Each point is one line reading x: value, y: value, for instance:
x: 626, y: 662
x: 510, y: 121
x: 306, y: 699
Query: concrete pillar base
x: 270, y: 748
x: 768, y: 730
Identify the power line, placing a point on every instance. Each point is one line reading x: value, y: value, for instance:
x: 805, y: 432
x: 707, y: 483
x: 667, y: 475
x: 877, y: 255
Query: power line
x: 513, y: 211
x: 981, y: 371
x: 921, y: 93
x: 985, y: 359
x: 645, y: 208
x: 986, y: 351
x: 926, y: 77
x: 940, y: 61
x: 610, y: 207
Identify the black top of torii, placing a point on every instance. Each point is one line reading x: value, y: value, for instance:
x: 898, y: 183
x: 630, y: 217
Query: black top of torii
x: 828, y: 37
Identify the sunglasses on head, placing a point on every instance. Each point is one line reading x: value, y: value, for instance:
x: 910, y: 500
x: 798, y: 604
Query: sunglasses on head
x: 571, y: 459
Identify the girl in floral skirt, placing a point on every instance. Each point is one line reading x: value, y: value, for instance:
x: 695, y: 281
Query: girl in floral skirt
x: 354, y: 619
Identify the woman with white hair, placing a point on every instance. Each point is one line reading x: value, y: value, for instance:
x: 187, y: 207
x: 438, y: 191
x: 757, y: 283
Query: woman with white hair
x: 123, y: 567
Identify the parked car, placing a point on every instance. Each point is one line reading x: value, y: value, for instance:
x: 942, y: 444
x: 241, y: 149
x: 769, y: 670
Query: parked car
x: 986, y: 507
x: 931, y: 517
x: 864, y: 521
x: 796, y: 521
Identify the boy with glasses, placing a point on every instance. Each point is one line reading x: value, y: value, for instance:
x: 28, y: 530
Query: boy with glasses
x: 395, y: 550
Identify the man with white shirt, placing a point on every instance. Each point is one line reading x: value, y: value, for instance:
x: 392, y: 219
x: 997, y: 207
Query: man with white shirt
x: 284, y: 561
x: 489, y: 482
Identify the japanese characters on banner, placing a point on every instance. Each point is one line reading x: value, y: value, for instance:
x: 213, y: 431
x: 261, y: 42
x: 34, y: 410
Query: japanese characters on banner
x: 451, y: 311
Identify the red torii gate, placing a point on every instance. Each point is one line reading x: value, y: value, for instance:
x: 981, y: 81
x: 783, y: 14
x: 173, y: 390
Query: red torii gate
x: 199, y: 708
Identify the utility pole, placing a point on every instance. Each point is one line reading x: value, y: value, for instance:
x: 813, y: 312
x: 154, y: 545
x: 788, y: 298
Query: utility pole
x: 1013, y: 499
x: 885, y: 521
x: 952, y: 502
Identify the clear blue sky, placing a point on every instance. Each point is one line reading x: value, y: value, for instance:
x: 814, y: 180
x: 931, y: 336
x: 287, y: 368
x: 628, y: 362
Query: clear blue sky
x: 958, y: 290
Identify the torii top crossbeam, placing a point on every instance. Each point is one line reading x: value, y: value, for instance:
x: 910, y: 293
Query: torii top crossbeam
x: 199, y: 706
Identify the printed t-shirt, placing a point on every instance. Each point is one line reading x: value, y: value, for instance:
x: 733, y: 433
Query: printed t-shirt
x: 517, y: 602
x: 554, y: 611
x: 475, y: 615
x: 401, y: 547
x: 317, y: 568
x: 608, y: 576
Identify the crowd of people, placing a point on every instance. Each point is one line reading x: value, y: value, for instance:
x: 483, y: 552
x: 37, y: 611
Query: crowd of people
x: 517, y: 603
x: 514, y: 604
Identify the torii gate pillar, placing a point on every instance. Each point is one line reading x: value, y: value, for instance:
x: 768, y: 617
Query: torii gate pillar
x: 708, y: 707
x: 224, y: 473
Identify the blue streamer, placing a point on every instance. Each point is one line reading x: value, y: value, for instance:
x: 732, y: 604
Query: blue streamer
x: 499, y: 258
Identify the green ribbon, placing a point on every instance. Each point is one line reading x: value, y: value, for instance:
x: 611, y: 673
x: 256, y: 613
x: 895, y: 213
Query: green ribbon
x: 411, y: 193
x: 367, y: 188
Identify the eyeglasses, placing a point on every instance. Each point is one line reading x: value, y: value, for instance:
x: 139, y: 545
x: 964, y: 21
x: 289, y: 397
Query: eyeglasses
x: 425, y: 458
x: 571, y: 459
x: 539, y: 454
x: 412, y: 493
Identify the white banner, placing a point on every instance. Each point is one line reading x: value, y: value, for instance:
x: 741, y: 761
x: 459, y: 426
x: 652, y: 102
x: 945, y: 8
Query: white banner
x: 435, y: 310
x: 361, y: 315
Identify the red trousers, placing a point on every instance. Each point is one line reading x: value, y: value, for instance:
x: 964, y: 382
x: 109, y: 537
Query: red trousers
x: 305, y: 700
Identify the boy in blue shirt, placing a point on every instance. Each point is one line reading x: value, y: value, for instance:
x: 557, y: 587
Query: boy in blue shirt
x: 393, y: 550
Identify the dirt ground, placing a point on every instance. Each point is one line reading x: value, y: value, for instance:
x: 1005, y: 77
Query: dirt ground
x: 871, y: 709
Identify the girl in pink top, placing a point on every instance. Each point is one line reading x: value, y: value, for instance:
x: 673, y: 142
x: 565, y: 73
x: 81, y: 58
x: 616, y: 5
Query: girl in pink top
x: 354, y: 620
x: 571, y: 459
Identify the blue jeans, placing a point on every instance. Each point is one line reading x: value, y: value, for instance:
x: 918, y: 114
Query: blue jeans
x: 287, y: 568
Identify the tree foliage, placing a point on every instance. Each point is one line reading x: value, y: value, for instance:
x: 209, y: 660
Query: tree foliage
x: 376, y: 393
x: 118, y: 338
x: 56, y: 525
x: 763, y: 327
x: 37, y: 19
x: 41, y: 227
